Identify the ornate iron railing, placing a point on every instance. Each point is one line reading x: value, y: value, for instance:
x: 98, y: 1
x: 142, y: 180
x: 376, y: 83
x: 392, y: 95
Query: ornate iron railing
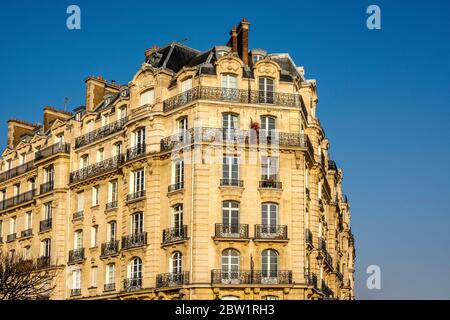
x: 132, y: 284
x: 16, y: 200
x: 268, y: 184
x: 134, y: 240
x: 111, y: 205
x: 326, y: 290
x: 100, y: 133
x: 136, y: 152
x: 264, y: 277
x: 174, y: 234
x: 322, y: 244
x: 110, y: 248
x: 167, y: 280
x: 176, y: 186
x: 269, y: 232
x: 26, y: 233
x: 78, y: 215
x: 43, y: 262
x: 76, y: 255
x: 97, y: 169
x: 231, y: 183
x: 238, y: 231
x: 52, y: 150
x: 109, y: 287
x: 46, y: 187
x: 309, y: 237
x: 11, y: 237
x: 135, y: 195
x: 45, y: 225
x: 311, y: 279
x: 75, y: 292
x: 236, y: 96
x: 17, y: 171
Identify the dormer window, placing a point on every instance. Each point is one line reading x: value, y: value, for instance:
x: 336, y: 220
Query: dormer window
x: 186, y: 85
x: 124, y: 93
x: 147, y: 97
x: 220, y: 54
x: 257, y: 57
x: 107, y: 101
x: 78, y: 116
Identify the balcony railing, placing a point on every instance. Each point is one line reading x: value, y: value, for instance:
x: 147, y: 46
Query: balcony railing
x: 309, y: 237
x: 46, y: 187
x: 174, y: 234
x: 269, y: 232
x: 134, y: 240
x: 176, y: 186
x: 78, y: 215
x: 17, y: 171
x: 76, y: 255
x: 326, y: 290
x: 268, y: 184
x: 264, y: 277
x: 136, y: 195
x: 52, y: 150
x: 231, y: 183
x: 75, y: 292
x: 236, y: 231
x: 235, y: 95
x: 11, y: 237
x: 43, y: 262
x: 167, y: 280
x: 111, y: 205
x: 132, y: 284
x: 135, y: 152
x: 100, y: 133
x: 109, y: 287
x: 17, y: 200
x: 45, y: 225
x: 26, y: 233
x: 97, y: 169
x: 110, y: 248
x: 322, y: 244
x: 311, y: 279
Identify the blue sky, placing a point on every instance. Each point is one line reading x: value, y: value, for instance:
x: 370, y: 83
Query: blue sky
x: 383, y: 100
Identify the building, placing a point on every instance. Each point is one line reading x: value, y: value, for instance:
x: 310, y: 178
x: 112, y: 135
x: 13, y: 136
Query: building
x: 207, y: 176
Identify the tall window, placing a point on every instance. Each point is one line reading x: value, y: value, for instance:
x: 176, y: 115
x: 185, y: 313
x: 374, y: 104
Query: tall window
x: 80, y: 201
x: 45, y: 248
x: 94, y: 277
x: 27, y: 253
x: 28, y: 220
x: 230, y: 217
x: 100, y: 154
x: 178, y: 174
x: 137, y: 223
x: 230, y: 265
x: 84, y: 161
x: 122, y: 112
x: 1, y: 228
x: 111, y: 231
x: 269, y: 263
x: 94, y: 236
x: 12, y: 225
x: 269, y: 169
x: 110, y: 277
x: 177, y: 220
x: 17, y: 189
x: 268, y: 126
x: 230, y: 170
x: 112, y: 192
x: 105, y: 119
x: 76, y: 279
x: 95, y: 195
x: 47, y: 211
x: 49, y: 174
x: 147, y: 97
x: 266, y: 90
x: 138, y: 184
x: 117, y: 149
x: 182, y: 129
x: 176, y: 263
x: 136, y: 269
x: 22, y: 159
x: 139, y: 140
x: 269, y: 215
x: 78, y: 240
x: 229, y: 86
x: 32, y: 184
x: 230, y: 122
x: 90, y: 126
x: 186, y: 85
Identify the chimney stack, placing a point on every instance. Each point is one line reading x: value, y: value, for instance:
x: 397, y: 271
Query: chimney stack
x: 233, y: 40
x: 239, y: 40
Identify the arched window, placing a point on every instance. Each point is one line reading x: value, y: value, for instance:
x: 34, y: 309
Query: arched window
x: 230, y: 218
x: 135, y: 275
x: 230, y: 266
x: 177, y: 217
x: 176, y: 266
x: 229, y: 87
x: 269, y: 264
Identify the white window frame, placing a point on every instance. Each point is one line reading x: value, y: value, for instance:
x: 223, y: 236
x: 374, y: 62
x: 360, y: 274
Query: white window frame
x: 147, y: 97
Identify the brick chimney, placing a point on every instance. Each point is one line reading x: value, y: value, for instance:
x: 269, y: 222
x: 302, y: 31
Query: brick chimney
x: 232, y: 43
x: 239, y: 40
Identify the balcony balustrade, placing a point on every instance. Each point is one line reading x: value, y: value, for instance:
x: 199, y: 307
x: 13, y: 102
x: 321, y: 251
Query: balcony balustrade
x: 176, y: 186
x: 97, y: 169
x: 235, y: 231
x: 17, y: 200
x: 132, y: 284
x: 78, y: 215
x: 269, y: 184
x: 110, y: 248
x: 134, y: 240
x: 100, y: 133
x: 135, y: 195
x: 264, y: 277
x: 52, y: 150
x: 231, y: 183
x: 168, y: 280
x: 76, y: 255
x: 174, y: 234
x: 111, y: 205
x: 270, y: 232
x: 26, y: 233
x: 109, y: 287
x: 46, y: 187
x: 136, y: 152
x: 45, y: 225
x: 17, y: 171
x: 11, y: 237
x: 75, y: 292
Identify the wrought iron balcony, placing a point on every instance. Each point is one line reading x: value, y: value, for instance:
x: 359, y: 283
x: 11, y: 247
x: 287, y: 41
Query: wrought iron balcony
x: 112, y: 205
x: 322, y: 244
x: 136, y: 152
x: 326, y: 290
x: 78, y: 215
x: 52, y: 150
x: 269, y: 232
x: 235, y: 231
x: 136, y: 195
x: 11, y: 237
x: 43, y: 262
x: 231, y: 183
x: 134, y: 240
x: 46, y: 187
x: 109, y: 287
x: 17, y: 171
x: 26, y: 233
x: 168, y: 280
x: 174, y: 234
x: 328, y: 259
x: 269, y: 184
x: 75, y: 292
x: 45, y: 225
x: 264, y: 277
x: 309, y: 237
x: 176, y: 186
x: 17, y: 200
x: 76, y: 255
x: 100, y: 133
x: 132, y: 284
x: 311, y: 279
x: 110, y: 248
x: 237, y: 96
x: 97, y: 169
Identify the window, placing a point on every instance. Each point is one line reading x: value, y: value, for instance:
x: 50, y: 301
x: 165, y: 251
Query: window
x: 45, y: 248
x: 2, y: 195
x: 112, y: 192
x: 78, y: 116
x: 95, y: 195
x: 230, y: 122
x: 178, y: 174
x: 76, y: 279
x: 90, y: 126
x: 111, y: 231
x: 12, y: 225
x: 138, y: 182
x: 47, y: 211
x: 27, y: 253
x: 266, y: 90
x: 186, y: 85
x: 94, y: 277
x: 230, y: 217
x: 147, y: 97
x: 49, y: 174
x: 268, y: 126
x: 269, y: 298
x: 80, y: 201
x: 269, y: 215
x: 230, y: 266
x: 229, y: 81
x: 105, y: 119
x: 230, y: 170
x: 182, y: 128
x: 110, y: 277
x: 177, y: 220
x: 1, y: 229
x: 176, y: 263
x: 31, y: 184
x: 139, y: 140
x: 136, y: 269
x: 84, y: 161
x: 78, y: 240
x: 94, y: 236
x: 17, y: 189
x: 100, y: 154
x: 22, y: 159
x: 269, y: 264
x: 257, y: 57
x: 269, y: 169
x: 137, y: 223
x: 28, y: 220
x: 122, y: 112
x: 117, y: 149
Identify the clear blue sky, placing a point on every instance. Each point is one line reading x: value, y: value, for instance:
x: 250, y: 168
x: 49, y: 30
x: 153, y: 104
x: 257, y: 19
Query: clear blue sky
x: 383, y: 100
